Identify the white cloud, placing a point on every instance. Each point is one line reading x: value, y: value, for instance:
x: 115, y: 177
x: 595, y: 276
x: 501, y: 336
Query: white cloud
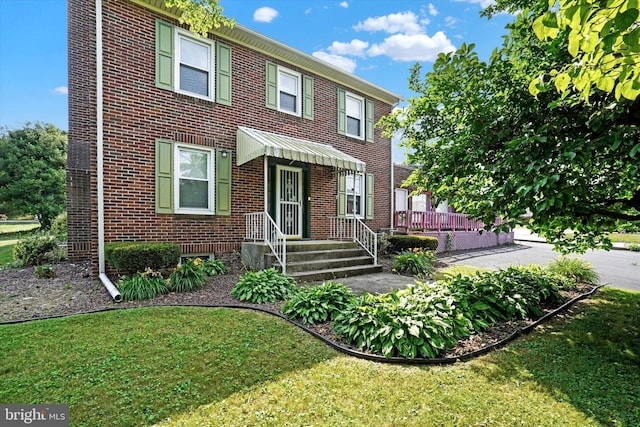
x: 432, y: 10
x: 265, y: 14
x: 403, y: 22
x: 482, y: 3
x: 342, y: 62
x: 416, y: 47
x: 344, y: 4
x: 354, y: 48
x: 60, y: 90
x: 450, y: 21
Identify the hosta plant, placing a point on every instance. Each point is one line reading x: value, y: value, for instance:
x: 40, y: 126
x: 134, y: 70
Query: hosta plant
x: 264, y: 286
x: 319, y: 303
x: 213, y: 267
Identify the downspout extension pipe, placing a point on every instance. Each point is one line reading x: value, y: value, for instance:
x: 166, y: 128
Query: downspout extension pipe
x: 113, y: 291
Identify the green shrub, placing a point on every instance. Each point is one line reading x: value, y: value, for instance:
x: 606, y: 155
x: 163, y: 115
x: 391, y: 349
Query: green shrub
x: 213, y: 267
x: 142, y: 285
x: 264, y: 286
x: 575, y: 269
x: 421, y: 320
x: 319, y: 303
x: 132, y: 257
x: 37, y: 249
x: 187, y: 276
x: 416, y: 262
x: 634, y: 247
x: 45, y: 272
x: 59, y: 226
x: 400, y: 243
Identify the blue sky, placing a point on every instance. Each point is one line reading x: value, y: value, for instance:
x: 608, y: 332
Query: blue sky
x: 378, y: 40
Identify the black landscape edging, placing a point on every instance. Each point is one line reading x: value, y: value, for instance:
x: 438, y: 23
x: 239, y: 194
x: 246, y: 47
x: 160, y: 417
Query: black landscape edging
x: 355, y: 353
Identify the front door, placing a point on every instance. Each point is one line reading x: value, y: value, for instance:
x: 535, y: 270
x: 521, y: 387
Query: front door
x: 289, y: 200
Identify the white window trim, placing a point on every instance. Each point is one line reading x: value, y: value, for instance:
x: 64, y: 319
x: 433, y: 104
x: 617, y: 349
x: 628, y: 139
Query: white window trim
x: 362, y: 195
x: 180, y: 33
x: 176, y: 180
x: 298, y: 77
x: 362, y: 115
x: 404, y: 194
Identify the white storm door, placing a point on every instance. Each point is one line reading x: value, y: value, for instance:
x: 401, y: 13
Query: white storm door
x: 289, y: 200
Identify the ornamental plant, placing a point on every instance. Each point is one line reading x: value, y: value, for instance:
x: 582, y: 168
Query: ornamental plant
x: 187, y: 276
x: 213, y: 267
x: 142, y: 285
x: 574, y: 269
x: 415, y: 262
x: 319, y: 303
x: 264, y: 286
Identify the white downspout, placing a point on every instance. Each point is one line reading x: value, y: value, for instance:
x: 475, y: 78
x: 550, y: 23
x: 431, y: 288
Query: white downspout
x: 113, y: 291
x: 392, y: 192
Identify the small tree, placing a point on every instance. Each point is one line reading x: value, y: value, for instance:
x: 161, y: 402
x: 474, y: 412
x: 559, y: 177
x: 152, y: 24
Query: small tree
x: 32, y: 171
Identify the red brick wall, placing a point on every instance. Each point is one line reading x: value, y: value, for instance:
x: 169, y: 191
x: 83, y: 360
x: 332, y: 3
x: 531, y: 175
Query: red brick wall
x: 136, y: 113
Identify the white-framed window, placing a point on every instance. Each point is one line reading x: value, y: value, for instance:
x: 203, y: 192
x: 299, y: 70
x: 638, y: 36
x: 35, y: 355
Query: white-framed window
x: 289, y: 84
x: 194, y: 179
x: 355, y: 194
x: 194, y: 65
x: 419, y: 203
x: 402, y: 200
x: 355, y: 115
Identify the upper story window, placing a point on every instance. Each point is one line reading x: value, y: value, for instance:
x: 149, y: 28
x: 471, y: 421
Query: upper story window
x: 355, y: 116
x: 289, y: 91
x: 193, y: 179
x: 194, y: 65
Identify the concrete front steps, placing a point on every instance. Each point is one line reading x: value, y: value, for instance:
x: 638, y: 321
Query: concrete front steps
x: 316, y: 261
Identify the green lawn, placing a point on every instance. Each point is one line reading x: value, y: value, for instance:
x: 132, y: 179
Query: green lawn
x: 9, y: 236
x: 199, y: 366
x: 625, y: 237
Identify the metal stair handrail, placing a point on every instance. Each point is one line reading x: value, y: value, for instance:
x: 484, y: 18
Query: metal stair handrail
x: 352, y: 228
x: 259, y: 226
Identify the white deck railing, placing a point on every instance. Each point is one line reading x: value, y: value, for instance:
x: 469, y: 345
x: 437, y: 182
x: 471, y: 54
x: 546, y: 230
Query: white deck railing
x: 352, y: 228
x: 436, y: 221
x: 259, y: 226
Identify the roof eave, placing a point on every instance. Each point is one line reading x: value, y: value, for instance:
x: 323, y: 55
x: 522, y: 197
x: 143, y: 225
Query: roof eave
x: 249, y: 38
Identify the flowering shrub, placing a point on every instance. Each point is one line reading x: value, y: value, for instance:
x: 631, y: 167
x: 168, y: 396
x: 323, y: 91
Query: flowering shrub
x: 187, y: 276
x: 142, y: 285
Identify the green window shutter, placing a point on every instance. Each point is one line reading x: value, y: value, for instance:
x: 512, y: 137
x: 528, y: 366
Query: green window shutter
x: 342, y: 112
x: 223, y: 74
x: 369, y: 114
x: 369, y: 198
x: 223, y: 182
x: 164, y: 55
x: 164, y: 177
x: 342, y: 195
x: 272, y: 86
x: 307, y: 97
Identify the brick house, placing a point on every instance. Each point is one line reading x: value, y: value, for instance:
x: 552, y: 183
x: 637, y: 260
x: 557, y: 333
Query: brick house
x: 177, y: 138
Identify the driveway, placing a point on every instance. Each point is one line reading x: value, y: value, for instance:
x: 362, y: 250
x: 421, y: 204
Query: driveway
x: 617, y: 268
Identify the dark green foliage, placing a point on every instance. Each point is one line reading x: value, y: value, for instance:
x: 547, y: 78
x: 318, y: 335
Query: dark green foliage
x: 142, y: 285
x: 416, y: 262
x: 264, y: 286
x: 32, y: 171
x: 425, y: 319
x: 132, y: 257
x: 187, y: 276
x: 400, y: 242
x: 319, y: 303
x: 213, y: 267
x: 419, y: 321
x: 36, y: 249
